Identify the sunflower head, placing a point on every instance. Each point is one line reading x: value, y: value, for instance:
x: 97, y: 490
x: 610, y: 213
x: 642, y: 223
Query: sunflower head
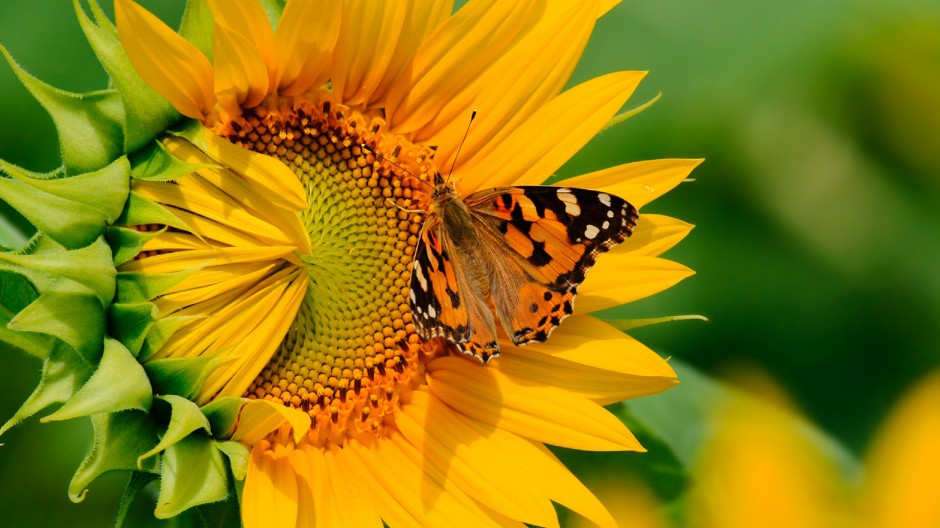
x: 232, y: 268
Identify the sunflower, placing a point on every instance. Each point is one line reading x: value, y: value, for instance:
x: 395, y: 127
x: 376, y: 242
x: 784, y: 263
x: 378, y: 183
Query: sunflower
x: 256, y: 248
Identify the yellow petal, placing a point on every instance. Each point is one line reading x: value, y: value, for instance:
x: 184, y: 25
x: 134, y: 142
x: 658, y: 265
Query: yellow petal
x: 241, y: 76
x: 638, y: 183
x: 493, y: 457
x: 543, y: 413
x: 422, y: 18
x: 409, y: 492
x: 270, y: 494
x: 259, y: 418
x: 550, y: 136
x: 588, y: 341
x: 599, y: 385
x: 531, y: 73
x: 452, y: 56
x: 654, y: 235
x: 247, y: 19
x: 311, y: 485
x: 620, y: 278
x: 370, y: 29
x: 489, y: 475
x: 254, y: 334
x: 200, y: 198
x: 263, y: 173
x: 351, y: 502
x: 184, y: 260
x: 904, y: 462
x: 173, y: 67
x: 304, y: 42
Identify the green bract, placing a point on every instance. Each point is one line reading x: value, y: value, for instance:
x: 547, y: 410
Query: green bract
x: 64, y: 302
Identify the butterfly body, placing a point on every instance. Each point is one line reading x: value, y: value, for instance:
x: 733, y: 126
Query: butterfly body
x: 513, y: 254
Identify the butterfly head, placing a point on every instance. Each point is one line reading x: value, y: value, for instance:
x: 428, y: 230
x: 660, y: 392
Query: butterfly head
x: 444, y: 190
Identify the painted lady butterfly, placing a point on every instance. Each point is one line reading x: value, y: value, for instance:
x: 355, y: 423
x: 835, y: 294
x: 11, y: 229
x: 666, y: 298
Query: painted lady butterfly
x: 518, y: 252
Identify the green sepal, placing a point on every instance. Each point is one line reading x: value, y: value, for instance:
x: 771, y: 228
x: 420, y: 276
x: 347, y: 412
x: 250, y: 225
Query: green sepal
x: 192, y: 131
x: 127, y: 243
x: 63, y: 374
x: 15, y: 230
x: 273, y: 10
x: 182, y: 376
x: 198, y: 26
x: 68, y: 313
x: 620, y: 118
x: 18, y: 293
x: 625, y: 325
x: 223, y: 415
x: 160, y: 332
x: 137, y: 482
x: 146, y: 112
x: 89, y: 126
x: 118, y: 384
x: 119, y: 439
x: 104, y: 190
x: 194, y: 473
x: 129, y: 323
x: 90, y: 266
x: 72, y: 224
x: 185, y: 418
x: 238, y: 455
x: 141, y: 211
x: 154, y: 163
x: 135, y: 286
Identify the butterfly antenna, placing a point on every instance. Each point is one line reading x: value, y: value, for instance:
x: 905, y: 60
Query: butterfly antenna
x: 465, y: 134
x: 379, y: 156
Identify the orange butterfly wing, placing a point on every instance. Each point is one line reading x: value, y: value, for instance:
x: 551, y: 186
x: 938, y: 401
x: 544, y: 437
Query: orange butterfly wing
x: 550, y: 238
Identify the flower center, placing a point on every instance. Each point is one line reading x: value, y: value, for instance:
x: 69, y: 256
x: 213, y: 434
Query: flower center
x: 352, y: 349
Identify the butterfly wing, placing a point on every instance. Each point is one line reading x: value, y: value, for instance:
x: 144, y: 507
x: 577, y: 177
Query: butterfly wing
x: 552, y: 237
x: 445, y: 297
x: 437, y: 308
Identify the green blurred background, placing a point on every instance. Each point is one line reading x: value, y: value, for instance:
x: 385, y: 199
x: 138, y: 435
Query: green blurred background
x: 818, y: 233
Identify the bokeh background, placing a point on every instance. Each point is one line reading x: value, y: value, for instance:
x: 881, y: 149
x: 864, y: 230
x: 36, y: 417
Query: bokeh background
x: 817, y: 246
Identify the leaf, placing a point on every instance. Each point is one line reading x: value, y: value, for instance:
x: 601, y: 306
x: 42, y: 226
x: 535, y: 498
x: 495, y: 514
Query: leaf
x: 119, y: 439
x: 135, y: 286
x: 238, y: 455
x: 154, y: 163
x: 18, y: 293
x: 89, y: 126
x: 137, y: 482
x: 127, y: 243
x: 183, y: 376
x: 73, y: 210
x: 146, y: 112
x: 63, y: 374
x: 68, y: 313
x: 118, y: 384
x: 684, y: 418
x: 193, y: 474
x: 197, y: 26
x: 90, y: 266
x: 185, y: 418
x: 129, y: 323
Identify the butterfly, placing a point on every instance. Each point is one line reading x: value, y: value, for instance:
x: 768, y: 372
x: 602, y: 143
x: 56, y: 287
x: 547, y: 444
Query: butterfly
x: 516, y: 254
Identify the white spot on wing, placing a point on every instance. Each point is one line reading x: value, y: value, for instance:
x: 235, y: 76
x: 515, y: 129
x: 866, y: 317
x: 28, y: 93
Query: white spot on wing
x: 605, y: 225
x: 610, y: 214
x: 591, y: 232
x: 604, y: 199
x: 432, y: 312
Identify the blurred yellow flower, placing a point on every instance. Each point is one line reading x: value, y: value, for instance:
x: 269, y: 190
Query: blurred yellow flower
x: 764, y: 468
